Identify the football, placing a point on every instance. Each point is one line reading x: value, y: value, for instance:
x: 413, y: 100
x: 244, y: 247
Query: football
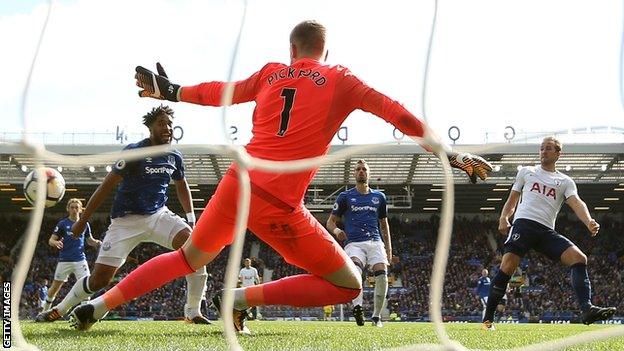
x: 55, y: 188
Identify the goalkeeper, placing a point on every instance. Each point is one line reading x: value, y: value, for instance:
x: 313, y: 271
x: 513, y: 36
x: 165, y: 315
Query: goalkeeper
x: 299, y: 108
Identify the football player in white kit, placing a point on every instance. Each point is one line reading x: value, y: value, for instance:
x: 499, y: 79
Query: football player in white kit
x: 248, y: 276
x: 365, y: 215
x: 543, y: 191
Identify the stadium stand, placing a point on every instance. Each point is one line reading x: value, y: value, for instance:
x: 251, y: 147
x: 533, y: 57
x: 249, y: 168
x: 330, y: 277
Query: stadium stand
x: 542, y: 296
x: 409, y: 177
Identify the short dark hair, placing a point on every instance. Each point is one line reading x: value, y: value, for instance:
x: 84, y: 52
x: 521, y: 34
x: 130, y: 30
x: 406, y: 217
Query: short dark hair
x: 151, y: 116
x: 309, y: 37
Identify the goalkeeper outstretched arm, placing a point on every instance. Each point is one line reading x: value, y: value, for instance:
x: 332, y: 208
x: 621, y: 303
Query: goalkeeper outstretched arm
x: 360, y: 96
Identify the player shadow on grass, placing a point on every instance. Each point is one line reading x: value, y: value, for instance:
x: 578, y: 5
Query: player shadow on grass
x: 63, y: 331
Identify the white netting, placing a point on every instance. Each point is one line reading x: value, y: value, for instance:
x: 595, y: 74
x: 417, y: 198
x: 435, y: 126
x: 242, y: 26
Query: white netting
x: 244, y: 161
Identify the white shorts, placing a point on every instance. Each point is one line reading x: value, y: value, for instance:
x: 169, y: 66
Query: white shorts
x: 484, y: 301
x: 368, y: 252
x: 126, y: 232
x: 64, y: 269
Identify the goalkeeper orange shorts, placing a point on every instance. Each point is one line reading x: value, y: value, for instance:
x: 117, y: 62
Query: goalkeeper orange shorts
x: 293, y: 232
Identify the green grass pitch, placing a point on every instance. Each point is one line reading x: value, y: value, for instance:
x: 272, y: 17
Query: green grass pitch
x: 115, y: 335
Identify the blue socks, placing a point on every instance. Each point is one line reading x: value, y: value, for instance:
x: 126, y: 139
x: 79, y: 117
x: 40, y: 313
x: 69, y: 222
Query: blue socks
x: 581, y: 285
x: 497, y: 291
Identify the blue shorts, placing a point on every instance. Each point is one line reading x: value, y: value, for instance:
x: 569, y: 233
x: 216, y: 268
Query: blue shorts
x: 526, y: 234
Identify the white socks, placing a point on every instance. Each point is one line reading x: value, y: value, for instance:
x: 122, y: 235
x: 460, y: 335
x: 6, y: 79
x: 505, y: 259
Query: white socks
x: 195, y: 292
x: 381, y: 289
x: 359, y: 300
x: 78, y: 293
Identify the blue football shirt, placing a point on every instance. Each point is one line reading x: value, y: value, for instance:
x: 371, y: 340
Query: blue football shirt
x: 483, y: 287
x: 73, y: 248
x: 143, y: 189
x: 361, y: 213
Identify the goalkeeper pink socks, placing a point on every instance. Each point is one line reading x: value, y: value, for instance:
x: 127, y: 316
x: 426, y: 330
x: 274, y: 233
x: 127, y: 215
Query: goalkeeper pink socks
x: 304, y: 290
x: 152, y: 274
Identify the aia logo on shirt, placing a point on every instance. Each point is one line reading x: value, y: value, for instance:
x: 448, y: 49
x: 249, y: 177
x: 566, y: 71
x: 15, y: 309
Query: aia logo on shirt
x: 544, y: 190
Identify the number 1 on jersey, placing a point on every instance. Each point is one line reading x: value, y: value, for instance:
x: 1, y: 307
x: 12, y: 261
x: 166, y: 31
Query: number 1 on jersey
x: 289, y: 98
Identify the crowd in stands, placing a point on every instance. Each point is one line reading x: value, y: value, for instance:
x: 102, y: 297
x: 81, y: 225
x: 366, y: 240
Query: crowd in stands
x: 543, y: 288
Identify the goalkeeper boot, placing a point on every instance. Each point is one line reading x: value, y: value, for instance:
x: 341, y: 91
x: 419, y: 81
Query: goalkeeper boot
x: 358, y: 314
x: 48, y: 316
x: 596, y: 313
x: 238, y: 315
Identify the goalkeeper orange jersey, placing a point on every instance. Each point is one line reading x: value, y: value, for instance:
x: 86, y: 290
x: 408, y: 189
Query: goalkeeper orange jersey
x: 299, y: 108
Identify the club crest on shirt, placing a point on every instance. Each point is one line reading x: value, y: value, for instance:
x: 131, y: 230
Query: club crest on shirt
x: 120, y: 164
x: 171, y: 160
x: 557, y: 183
x: 353, y: 199
x: 375, y: 200
x: 148, y: 159
x: 106, y: 246
x: 515, y: 236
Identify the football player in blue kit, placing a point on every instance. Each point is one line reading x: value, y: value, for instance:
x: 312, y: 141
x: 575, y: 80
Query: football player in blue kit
x: 483, y: 289
x: 544, y: 189
x: 139, y: 214
x: 72, y: 259
x: 365, y: 222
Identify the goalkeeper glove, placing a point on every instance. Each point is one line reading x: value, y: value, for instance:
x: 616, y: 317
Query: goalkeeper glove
x: 156, y: 86
x: 473, y: 165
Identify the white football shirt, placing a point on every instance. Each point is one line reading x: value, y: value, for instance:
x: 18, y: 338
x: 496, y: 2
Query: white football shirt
x: 543, y: 193
x: 248, y: 276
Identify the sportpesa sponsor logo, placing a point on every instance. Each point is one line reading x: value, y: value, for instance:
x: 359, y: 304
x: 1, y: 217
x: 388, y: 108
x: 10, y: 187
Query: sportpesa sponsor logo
x: 363, y: 208
x: 158, y: 170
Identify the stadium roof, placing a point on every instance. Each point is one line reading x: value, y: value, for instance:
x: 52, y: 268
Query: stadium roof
x: 406, y: 172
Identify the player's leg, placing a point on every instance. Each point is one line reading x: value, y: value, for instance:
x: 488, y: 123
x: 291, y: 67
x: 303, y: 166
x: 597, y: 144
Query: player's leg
x: 213, y: 231
x: 80, y: 270
x: 378, y: 259
x: 574, y: 258
x: 483, y: 301
x: 561, y: 248
x: 498, y: 288
x: 357, y: 254
x: 52, y: 291
x: 123, y: 235
x: 49, y: 314
x: 521, y: 238
x: 171, y: 231
x: 303, y: 242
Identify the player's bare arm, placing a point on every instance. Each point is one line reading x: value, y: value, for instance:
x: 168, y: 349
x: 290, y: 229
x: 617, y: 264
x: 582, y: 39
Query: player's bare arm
x: 385, y: 233
x: 333, y: 228
x: 186, y: 200
x: 55, y: 242
x: 508, y: 210
x: 109, y: 183
x: 582, y: 212
x: 93, y: 242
